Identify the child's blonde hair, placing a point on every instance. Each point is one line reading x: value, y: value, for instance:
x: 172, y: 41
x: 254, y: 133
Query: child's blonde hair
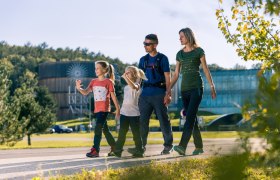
x: 109, y: 69
x: 136, y: 73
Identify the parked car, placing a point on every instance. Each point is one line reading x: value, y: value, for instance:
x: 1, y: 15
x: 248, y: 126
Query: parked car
x: 62, y: 129
x: 50, y: 130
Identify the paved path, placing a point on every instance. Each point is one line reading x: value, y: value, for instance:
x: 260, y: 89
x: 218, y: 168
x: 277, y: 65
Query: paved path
x: 28, y: 163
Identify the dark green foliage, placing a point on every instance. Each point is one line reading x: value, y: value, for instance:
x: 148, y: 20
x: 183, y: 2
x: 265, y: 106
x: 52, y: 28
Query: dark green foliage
x: 271, y: 6
x: 257, y: 37
x: 10, y: 129
x: 27, y: 108
x: 37, y: 107
x: 230, y: 167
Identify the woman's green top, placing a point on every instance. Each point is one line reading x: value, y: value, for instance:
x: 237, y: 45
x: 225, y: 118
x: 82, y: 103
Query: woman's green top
x: 190, y: 62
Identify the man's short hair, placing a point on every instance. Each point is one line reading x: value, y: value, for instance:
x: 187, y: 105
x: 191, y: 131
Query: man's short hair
x: 152, y: 37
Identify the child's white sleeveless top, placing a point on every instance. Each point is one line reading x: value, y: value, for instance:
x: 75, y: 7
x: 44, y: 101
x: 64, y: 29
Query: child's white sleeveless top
x: 130, y: 102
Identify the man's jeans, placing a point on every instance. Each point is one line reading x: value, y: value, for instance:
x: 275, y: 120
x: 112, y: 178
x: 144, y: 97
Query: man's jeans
x: 148, y: 104
x: 134, y: 123
x: 191, y: 100
x: 101, y: 125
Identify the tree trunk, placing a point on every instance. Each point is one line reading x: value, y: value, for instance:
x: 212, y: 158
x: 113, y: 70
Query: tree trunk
x: 29, y: 139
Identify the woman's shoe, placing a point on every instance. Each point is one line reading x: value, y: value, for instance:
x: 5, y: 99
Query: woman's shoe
x: 180, y: 150
x: 198, y: 151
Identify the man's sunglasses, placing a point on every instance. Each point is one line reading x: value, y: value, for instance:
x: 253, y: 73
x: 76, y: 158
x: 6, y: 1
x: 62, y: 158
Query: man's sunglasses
x: 147, y: 44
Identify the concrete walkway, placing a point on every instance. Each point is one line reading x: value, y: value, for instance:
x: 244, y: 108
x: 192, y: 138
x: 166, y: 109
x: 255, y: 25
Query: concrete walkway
x: 28, y: 163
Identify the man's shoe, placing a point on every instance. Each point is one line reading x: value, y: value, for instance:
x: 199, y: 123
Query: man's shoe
x: 93, y: 153
x: 167, y: 150
x: 138, y: 154
x: 135, y: 152
x: 180, y: 150
x: 198, y: 151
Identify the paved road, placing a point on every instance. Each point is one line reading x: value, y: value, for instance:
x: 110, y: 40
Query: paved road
x: 28, y: 163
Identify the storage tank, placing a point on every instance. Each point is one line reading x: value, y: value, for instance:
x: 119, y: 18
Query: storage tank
x: 59, y: 78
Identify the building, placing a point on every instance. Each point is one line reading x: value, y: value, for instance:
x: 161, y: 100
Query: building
x: 233, y: 87
x: 59, y: 78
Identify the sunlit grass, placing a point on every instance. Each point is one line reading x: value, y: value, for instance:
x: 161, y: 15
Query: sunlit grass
x: 112, y: 122
x: 209, y: 168
x: 85, y: 139
x: 208, y: 119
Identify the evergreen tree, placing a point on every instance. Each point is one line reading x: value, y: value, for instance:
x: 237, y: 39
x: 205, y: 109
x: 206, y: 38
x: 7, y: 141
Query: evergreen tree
x: 36, y: 106
x: 10, y: 129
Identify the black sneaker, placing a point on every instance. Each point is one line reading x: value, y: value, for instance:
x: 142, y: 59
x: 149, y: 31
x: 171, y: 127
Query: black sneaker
x: 180, y: 150
x: 167, y: 150
x: 111, y: 151
x: 117, y: 154
x: 138, y: 154
x: 135, y: 152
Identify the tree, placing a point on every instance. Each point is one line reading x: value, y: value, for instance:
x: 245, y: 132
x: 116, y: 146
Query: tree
x: 271, y: 6
x: 256, y: 66
x: 215, y: 67
x: 10, y: 129
x: 36, y: 106
x: 239, y: 67
x: 256, y: 37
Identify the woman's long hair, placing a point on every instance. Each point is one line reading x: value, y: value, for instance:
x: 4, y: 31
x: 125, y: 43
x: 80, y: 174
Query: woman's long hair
x: 190, y: 37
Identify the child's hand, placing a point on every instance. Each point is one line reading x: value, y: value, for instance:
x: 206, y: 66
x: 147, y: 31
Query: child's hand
x: 117, y: 118
x: 124, y: 75
x: 117, y: 115
x: 78, y: 84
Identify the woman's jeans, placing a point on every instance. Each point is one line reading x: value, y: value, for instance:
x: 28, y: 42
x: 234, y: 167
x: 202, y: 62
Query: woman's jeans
x: 134, y: 123
x: 101, y: 125
x: 191, y: 100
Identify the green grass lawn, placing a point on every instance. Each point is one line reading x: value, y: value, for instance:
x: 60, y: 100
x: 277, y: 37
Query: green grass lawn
x: 85, y: 139
x: 112, y: 122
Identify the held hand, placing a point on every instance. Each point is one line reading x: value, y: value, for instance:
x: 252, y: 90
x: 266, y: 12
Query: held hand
x: 167, y: 100
x: 168, y: 92
x: 213, y: 92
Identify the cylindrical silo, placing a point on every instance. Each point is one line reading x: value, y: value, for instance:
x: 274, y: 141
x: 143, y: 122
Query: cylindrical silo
x: 59, y: 78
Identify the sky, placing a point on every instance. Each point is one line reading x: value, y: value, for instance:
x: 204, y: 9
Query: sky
x: 117, y: 28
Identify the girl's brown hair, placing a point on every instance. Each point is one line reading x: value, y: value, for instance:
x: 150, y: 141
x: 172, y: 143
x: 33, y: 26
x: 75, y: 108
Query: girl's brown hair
x: 109, y: 69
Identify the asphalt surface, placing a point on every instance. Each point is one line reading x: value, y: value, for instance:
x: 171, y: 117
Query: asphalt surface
x: 29, y: 163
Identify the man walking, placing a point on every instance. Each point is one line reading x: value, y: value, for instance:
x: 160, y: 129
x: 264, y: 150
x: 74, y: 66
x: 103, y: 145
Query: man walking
x: 153, y: 96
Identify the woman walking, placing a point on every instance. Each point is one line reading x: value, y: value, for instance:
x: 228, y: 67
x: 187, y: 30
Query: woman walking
x: 188, y: 61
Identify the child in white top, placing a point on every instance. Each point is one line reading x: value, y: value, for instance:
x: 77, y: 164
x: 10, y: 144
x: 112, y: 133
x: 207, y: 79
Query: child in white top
x: 130, y: 112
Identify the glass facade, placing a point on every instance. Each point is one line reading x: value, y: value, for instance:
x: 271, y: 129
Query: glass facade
x: 233, y: 87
